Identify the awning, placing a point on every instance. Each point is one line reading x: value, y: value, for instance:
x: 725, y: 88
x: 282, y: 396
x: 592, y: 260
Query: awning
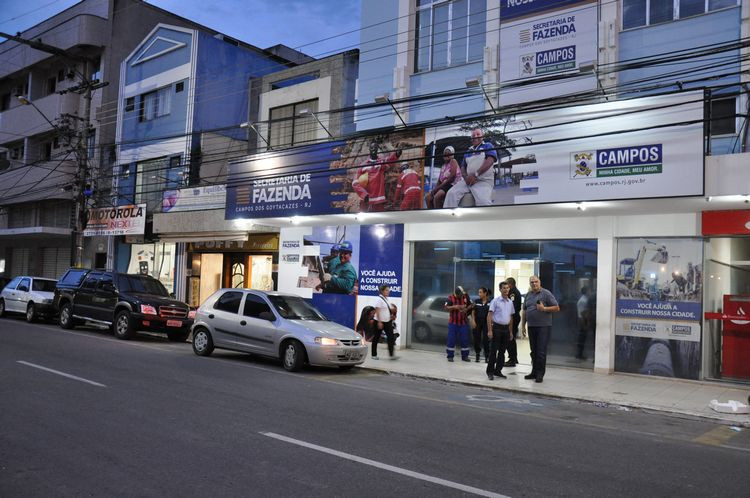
x: 203, y: 237
x: 27, y: 233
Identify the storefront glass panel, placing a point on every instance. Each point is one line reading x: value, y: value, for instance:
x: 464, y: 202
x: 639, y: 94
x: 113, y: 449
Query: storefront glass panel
x: 156, y: 260
x: 564, y: 266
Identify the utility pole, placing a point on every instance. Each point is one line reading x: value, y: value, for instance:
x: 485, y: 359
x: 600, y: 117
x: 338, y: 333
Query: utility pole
x: 84, y: 88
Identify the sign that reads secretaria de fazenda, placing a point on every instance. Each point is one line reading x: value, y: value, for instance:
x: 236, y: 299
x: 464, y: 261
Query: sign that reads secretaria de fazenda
x: 119, y: 220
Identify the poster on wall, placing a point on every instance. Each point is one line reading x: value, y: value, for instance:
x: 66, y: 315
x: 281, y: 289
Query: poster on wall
x: 117, y: 220
x: 194, y: 199
x: 659, y: 286
x: 340, y: 268
x: 546, y: 38
x: 372, y: 174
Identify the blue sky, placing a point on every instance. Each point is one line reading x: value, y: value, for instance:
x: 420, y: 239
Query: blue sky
x: 296, y: 23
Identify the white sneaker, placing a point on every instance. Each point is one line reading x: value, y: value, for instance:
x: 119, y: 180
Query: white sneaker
x: 374, y: 358
x: 395, y: 357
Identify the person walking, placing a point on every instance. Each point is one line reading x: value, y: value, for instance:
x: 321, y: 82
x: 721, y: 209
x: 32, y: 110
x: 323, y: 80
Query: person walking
x: 481, y: 340
x: 366, y: 323
x: 500, y: 324
x: 459, y: 305
x: 515, y: 295
x: 383, y: 323
x: 538, y: 308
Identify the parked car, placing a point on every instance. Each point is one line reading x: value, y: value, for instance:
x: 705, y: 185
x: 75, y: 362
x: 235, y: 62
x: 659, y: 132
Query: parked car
x: 29, y: 295
x: 127, y: 303
x: 274, y: 325
x: 430, y: 321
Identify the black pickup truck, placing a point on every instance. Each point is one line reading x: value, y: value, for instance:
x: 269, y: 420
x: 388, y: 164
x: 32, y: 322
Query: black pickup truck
x: 126, y: 303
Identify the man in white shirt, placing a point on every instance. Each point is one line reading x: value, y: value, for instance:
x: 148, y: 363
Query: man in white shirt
x: 383, y: 323
x: 499, y: 330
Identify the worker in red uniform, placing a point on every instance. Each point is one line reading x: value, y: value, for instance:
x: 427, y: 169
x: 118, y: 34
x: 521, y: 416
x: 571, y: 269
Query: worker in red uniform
x: 370, y: 181
x: 410, y: 186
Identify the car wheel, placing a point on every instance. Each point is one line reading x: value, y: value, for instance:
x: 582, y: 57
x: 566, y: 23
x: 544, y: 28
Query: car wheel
x: 178, y: 336
x: 203, y: 344
x: 422, y: 333
x: 124, y: 325
x: 30, y: 313
x: 293, y: 356
x: 2, y: 308
x: 66, y: 316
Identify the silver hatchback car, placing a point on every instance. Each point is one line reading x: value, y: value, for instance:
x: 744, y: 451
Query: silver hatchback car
x: 275, y: 325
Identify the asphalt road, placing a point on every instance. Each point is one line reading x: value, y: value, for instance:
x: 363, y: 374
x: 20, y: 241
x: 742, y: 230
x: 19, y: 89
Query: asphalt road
x: 83, y: 414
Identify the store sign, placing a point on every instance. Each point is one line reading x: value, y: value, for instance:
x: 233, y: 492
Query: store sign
x: 734, y: 222
x: 649, y: 147
x: 261, y: 242
x: 552, y: 38
x: 120, y: 220
x: 659, y: 303
x: 194, y: 199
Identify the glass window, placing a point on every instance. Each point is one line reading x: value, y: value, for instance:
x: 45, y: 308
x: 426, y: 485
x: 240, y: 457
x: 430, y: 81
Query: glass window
x: 424, y: 23
x: 73, y: 277
x: 691, y: 7
x: 156, y: 104
x: 721, y: 4
x: 91, y: 280
x: 255, y: 305
x: 459, y: 31
x: 229, y: 302
x: 661, y: 12
x: 130, y: 104
x: 633, y: 13
x: 477, y: 29
x: 24, y: 284
x: 141, y: 284
x: 43, y: 285
x: 13, y: 283
x: 293, y: 124
x: 106, y: 281
x: 295, y: 308
x: 440, y: 34
x: 449, y: 33
x: 153, y: 178
x: 723, y: 116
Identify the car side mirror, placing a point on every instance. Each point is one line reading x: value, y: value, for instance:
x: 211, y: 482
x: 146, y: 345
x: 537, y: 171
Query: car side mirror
x: 109, y: 288
x: 267, y: 315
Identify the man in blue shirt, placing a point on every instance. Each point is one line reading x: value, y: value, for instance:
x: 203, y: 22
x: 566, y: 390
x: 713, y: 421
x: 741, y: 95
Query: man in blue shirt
x: 499, y: 330
x: 478, y: 174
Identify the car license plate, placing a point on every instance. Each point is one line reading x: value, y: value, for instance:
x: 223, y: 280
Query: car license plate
x: 352, y: 355
x: 174, y: 323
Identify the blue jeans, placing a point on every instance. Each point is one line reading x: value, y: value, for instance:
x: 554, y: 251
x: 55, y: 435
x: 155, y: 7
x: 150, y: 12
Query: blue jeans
x: 538, y: 340
x: 462, y: 332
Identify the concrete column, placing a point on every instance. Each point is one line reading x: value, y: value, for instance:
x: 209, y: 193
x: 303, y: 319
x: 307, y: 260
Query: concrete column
x: 604, y: 354
x: 490, y: 73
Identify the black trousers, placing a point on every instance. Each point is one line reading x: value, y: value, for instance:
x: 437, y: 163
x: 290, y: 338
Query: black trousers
x: 538, y: 340
x: 481, y: 341
x: 498, y: 343
x: 512, y: 346
x: 390, y: 339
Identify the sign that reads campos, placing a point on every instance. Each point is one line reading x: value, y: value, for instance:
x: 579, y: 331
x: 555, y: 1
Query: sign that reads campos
x: 119, y: 220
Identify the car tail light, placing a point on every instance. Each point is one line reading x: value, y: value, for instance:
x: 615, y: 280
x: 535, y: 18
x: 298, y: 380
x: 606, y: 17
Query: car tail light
x: 191, y: 314
x: 147, y: 309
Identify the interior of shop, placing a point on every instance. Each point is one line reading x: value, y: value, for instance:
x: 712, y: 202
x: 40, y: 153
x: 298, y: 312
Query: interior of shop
x: 211, y: 271
x: 565, y: 267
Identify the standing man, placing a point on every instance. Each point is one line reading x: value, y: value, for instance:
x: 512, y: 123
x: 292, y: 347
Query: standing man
x: 538, y: 308
x: 500, y: 325
x: 459, y: 305
x: 383, y: 323
x: 515, y: 295
x: 340, y: 278
x: 481, y: 339
x: 477, y: 172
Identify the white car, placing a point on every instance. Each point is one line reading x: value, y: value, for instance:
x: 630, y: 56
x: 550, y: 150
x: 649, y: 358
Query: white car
x: 31, y: 296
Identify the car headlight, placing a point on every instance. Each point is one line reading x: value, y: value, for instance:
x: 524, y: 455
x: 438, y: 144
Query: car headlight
x: 326, y: 341
x: 147, y: 309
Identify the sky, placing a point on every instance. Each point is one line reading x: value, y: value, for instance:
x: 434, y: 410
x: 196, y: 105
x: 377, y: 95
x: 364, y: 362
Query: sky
x: 296, y: 23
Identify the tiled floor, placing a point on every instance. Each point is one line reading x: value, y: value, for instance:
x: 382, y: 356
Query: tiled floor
x: 654, y: 393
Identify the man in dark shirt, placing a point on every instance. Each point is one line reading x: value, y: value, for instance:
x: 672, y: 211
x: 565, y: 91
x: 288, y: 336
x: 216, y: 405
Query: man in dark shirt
x: 459, y: 305
x: 515, y: 296
x: 481, y: 341
x: 538, y: 308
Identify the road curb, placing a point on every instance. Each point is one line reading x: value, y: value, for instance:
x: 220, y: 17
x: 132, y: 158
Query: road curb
x: 636, y: 406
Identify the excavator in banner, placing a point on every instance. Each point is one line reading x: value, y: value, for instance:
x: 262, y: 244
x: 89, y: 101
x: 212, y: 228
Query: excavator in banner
x: 631, y: 268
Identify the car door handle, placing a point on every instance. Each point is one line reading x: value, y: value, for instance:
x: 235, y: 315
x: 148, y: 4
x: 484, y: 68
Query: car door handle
x: 428, y: 315
x: 210, y: 316
x: 243, y: 323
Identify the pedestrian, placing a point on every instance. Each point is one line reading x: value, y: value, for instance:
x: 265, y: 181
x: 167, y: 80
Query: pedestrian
x: 584, y: 321
x: 500, y: 325
x: 366, y: 323
x: 515, y: 295
x: 538, y: 308
x: 449, y: 175
x: 383, y: 323
x: 481, y: 340
x: 459, y: 305
x: 477, y: 173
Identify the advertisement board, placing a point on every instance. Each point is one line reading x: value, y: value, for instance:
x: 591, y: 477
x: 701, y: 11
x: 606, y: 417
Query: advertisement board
x: 194, y: 199
x: 120, y: 220
x: 546, y: 38
x: 648, y: 147
x: 341, y: 286
x: 659, y: 307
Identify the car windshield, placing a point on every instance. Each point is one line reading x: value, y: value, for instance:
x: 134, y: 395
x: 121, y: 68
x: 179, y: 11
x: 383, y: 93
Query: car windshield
x: 144, y: 285
x: 43, y: 285
x: 295, y: 308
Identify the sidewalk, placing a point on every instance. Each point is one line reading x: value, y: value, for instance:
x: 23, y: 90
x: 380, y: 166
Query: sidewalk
x: 636, y: 391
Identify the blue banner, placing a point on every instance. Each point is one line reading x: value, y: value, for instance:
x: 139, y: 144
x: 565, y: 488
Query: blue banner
x: 511, y: 9
x: 382, y: 262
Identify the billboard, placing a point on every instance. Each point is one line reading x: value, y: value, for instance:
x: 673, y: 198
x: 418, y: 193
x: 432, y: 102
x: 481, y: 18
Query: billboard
x: 546, y: 38
x: 194, y: 199
x: 659, y: 286
x: 119, y: 220
x: 648, y: 147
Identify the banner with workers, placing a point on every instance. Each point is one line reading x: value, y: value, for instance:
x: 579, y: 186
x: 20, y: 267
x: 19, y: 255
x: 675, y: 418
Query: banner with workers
x: 659, y: 286
x: 342, y: 268
x: 650, y: 147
